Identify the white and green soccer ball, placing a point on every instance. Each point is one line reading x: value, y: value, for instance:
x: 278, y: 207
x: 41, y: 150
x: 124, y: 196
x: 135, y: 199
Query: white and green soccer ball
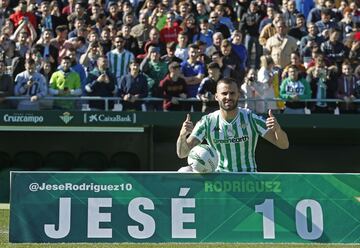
x: 203, y: 159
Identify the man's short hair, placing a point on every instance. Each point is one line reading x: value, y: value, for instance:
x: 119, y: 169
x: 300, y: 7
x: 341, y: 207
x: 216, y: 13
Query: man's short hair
x: 66, y: 58
x: 213, y: 65
x: 173, y: 65
x: 226, y: 81
x: 171, y: 45
x: 30, y: 61
x: 326, y: 11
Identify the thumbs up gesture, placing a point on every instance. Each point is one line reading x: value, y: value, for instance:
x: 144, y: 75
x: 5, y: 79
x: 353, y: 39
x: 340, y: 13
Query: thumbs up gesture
x: 271, y: 122
x: 187, y: 126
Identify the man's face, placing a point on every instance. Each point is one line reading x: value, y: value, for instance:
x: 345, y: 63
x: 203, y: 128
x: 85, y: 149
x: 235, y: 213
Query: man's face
x: 66, y: 64
x: 23, y: 38
x: 154, y: 35
x: 193, y: 53
x: 23, y: 7
x: 134, y: 68
x: 119, y: 43
x: 293, y: 74
x: 227, y: 96
x: 72, y: 55
x: 170, y: 52
x: 217, y: 40
x: 281, y: 28
x: 214, y: 17
x: 312, y: 29
x: 325, y: 18
x: 294, y: 59
x: 45, y: 7
x: 346, y: 70
x: 226, y: 50
x: 182, y: 39
x: 30, y: 68
x: 270, y: 12
x: 102, y: 64
x: 300, y: 21
x: 214, y: 73
x: 291, y: 6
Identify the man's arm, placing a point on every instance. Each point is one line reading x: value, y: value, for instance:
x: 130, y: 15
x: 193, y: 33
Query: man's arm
x: 275, y: 134
x: 184, y: 144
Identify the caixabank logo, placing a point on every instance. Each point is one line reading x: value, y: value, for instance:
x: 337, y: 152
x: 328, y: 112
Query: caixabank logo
x: 66, y: 117
x: 109, y: 118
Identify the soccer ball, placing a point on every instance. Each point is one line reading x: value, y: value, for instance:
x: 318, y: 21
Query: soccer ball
x: 203, y: 159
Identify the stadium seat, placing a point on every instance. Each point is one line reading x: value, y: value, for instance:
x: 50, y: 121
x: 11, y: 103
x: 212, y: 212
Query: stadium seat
x: 5, y: 160
x: 27, y: 160
x: 59, y: 160
x: 124, y: 161
x: 91, y: 160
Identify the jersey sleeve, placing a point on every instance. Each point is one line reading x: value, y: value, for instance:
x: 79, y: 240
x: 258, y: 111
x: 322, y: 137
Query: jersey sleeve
x: 199, y: 131
x: 259, y: 124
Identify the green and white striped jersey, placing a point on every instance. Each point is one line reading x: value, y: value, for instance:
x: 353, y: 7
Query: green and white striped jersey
x: 119, y: 62
x: 235, y: 142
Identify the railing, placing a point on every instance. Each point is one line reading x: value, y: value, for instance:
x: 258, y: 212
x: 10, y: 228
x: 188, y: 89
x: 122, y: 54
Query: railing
x: 156, y: 99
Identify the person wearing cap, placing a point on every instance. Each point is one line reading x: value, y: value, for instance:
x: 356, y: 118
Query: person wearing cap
x: 173, y: 88
x: 207, y: 88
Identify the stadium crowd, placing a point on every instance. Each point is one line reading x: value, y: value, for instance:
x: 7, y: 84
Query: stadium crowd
x: 177, y: 50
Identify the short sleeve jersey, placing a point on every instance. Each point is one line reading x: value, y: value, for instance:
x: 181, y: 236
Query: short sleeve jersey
x: 234, y: 141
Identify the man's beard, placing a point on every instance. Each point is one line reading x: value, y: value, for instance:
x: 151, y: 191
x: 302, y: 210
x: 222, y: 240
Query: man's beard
x: 228, y: 108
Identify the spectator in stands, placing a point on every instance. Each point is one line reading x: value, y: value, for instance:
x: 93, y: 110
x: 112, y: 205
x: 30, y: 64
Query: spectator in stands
x: 299, y: 30
x: 23, y: 14
x: 347, y: 89
x: 156, y: 69
x: 290, y: 13
x: 182, y: 47
x: 171, y: 30
x: 249, y: 24
x: 207, y: 88
x: 252, y: 90
x: 119, y: 58
x: 170, y: 54
x: 269, y: 30
x: 133, y: 87
x: 48, y: 51
x: 89, y: 59
x: 280, y: 45
x: 217, y: 26
x: 100, y: 82
x: 326, y: 23
x: 46, y: 20
x: 294, y: 60
x: 193, y: 72
x: 217, y: 39
x: 6, y: 87
x: 335, y: 50
x: 206, y: 34
x: 270, y: 15
x: 65, y: 82
x: 322, y: 86
x: 268, y: 78
x: 294, y: 91
x: 239, y: 49
x: 32, y: 84
x: 309, y: 41
x: 173, y: 88
x: 315, y: 13
x: 232, y: 65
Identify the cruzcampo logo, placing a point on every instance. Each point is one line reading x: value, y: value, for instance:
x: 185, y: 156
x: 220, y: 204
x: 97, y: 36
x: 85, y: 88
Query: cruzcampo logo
x: 66, y: 117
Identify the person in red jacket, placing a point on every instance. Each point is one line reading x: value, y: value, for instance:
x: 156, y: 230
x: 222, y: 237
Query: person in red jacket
x: 21, y: 14
x: 171, y: 30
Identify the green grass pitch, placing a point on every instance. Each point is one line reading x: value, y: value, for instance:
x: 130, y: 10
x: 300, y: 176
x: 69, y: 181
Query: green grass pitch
x: 4, y: 241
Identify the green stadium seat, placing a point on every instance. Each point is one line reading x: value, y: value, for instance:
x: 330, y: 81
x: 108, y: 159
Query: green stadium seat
x: 124, y: 161
x: 59, y: 160
x: 91, y: 160
x: 5, y: 160
x: 27, y: 160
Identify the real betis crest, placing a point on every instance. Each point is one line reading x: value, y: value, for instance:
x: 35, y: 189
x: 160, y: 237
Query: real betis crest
x: 66, y: 117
